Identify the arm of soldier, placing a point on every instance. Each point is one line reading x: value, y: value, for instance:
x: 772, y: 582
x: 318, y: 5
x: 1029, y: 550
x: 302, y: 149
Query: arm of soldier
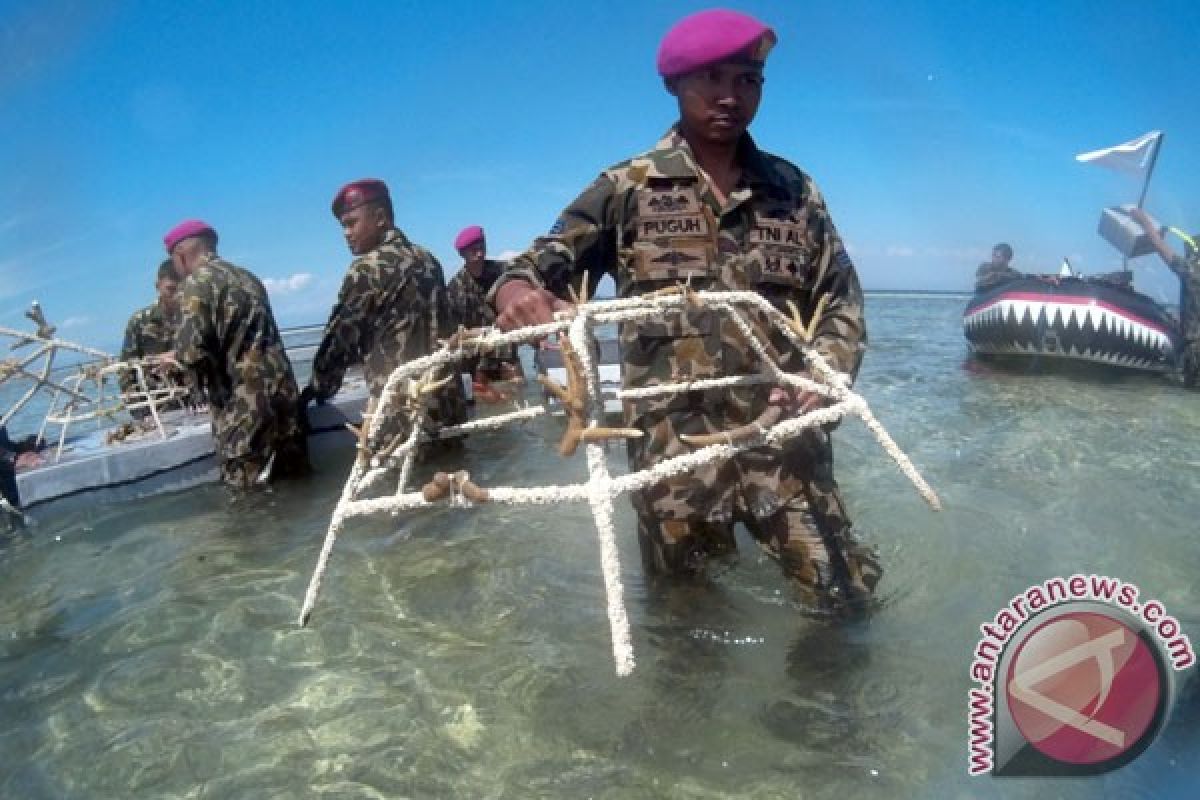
x: 1160, y: 246
x: 130, y: 351
x: 839, y: 331
x: 341, y: 345
x: 195, y: 340
x: 582, y: 242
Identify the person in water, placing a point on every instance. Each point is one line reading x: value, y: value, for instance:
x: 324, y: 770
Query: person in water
x: 991, y: 274
x: 391, y: 308
x: 467, y: 297
x: 151, y: 332
x: 705, y: 206
x: 230, y: 345
x: 1187, y: 268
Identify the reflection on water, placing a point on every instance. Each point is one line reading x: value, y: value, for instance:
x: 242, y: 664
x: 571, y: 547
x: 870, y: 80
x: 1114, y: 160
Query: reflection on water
x: 149, y: 650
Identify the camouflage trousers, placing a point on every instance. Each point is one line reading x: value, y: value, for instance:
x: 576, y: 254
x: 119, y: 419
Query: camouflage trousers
x: 817, y: 550
x: 789, y: 502
x: 248, y: 443
x: 289, y: 459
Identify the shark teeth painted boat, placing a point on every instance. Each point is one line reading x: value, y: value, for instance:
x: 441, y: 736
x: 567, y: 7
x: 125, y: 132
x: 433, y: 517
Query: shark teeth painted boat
x: 1091, y: 320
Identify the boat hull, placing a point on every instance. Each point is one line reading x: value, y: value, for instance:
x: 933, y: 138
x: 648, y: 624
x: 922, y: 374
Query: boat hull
x: 1071, y: 319
x: 93, y: 471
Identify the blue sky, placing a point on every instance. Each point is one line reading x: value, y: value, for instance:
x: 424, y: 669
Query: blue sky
x: 934, y: 129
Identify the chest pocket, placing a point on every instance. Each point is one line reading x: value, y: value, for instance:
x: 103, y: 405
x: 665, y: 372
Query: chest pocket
x: 674, y: 236
x: 783, y: 249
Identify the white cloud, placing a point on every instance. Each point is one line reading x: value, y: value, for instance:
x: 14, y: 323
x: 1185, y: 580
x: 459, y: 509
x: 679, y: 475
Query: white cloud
x: 508, y: 255
x: 900, y: 251
x: 74, y: 322
x: 290, y: 284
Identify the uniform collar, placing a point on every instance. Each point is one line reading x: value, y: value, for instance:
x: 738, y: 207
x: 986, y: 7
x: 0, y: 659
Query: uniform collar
x: 393, y: 236
x: 672, y: 158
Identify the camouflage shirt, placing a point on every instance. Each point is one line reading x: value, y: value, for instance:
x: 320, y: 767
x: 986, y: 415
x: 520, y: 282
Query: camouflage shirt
x: 391, y: 309
x: 149, y: 332
x: 231, y: 346
x: 467, y: 296
x: 653, y: 222
x: 989, y: 275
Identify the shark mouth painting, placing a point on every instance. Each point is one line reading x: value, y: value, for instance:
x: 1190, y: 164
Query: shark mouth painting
x: 1071, y: 318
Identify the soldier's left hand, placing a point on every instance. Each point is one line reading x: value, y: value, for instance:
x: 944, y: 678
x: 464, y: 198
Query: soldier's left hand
x: 794, y: 401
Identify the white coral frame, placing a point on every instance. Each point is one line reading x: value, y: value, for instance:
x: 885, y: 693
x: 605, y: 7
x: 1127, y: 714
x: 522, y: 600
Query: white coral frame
x: 408, y: 383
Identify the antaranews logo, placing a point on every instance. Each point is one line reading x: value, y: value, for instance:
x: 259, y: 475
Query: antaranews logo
x: 1074, y: 678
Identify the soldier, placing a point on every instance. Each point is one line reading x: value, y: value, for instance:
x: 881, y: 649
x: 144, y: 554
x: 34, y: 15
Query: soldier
x: 391, y: 307
x: 991, y: 274
x: 467, y: 296
x: 151, y: 332
x: 230, y: 345
x: 707, y: 207
x: 1187, y: 268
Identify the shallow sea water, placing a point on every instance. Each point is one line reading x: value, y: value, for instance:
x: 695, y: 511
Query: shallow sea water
x: 150, y: 650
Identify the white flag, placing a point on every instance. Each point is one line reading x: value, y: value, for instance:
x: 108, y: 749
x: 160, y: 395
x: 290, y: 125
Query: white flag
x: 1132, y: 157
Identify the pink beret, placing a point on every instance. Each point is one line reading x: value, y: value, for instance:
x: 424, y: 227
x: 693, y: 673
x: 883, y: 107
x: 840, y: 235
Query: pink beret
x: 355, y: 193
x: 468, y: 236
x: 186, y: 230
x: 711, y: 36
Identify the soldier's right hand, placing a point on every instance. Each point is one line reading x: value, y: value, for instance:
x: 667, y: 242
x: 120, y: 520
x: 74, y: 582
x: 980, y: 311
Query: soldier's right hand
x: 519, y: 304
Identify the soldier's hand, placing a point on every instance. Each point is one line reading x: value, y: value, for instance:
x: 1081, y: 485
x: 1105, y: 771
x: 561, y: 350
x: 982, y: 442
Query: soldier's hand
x: 795, y: 402
x: 519, y: 304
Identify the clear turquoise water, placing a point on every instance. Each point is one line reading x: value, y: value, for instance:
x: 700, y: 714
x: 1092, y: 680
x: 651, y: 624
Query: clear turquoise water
x: 150, y: 650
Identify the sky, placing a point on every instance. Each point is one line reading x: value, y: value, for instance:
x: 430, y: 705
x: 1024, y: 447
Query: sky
x: 934, y: 130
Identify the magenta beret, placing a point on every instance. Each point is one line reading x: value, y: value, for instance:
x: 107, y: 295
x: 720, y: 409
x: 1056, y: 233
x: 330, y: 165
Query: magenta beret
x: 355, y: 193
x: 468, y: 236
x: 186, y: 230
x: 711, y: 36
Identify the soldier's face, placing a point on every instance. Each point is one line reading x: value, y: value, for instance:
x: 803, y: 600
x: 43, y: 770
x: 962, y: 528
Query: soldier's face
x: 999, y: 257
x: 474, y: 254
x: 363, y: 228
x: 168, y: 292
x: 717, y: 103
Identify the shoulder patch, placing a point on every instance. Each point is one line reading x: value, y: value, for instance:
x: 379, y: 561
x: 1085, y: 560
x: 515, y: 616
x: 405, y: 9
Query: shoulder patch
x: 558, y: 227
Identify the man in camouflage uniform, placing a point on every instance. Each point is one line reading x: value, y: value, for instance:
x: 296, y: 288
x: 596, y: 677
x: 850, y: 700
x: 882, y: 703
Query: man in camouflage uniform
x: 151, y: 332
x: 1187, y: 268
x: 707, y: 207
x: 391, y: 308
x: 466, y: 295
x: 991, y: 274
x: 230, y: 345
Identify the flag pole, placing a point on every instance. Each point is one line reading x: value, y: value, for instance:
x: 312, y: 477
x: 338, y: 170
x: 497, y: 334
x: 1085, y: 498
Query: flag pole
x: 1150, y: 169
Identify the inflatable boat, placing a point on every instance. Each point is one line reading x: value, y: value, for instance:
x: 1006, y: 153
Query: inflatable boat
x: 1084, y: 319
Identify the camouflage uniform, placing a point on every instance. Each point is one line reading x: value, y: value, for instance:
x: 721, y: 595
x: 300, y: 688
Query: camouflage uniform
x: 391, y: 309
x: 989, y: 275
x: 1188, y: 270
x: 467, y: 299
x: 149, y: 332
x: 652, y: 222
x: 231, y: 346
